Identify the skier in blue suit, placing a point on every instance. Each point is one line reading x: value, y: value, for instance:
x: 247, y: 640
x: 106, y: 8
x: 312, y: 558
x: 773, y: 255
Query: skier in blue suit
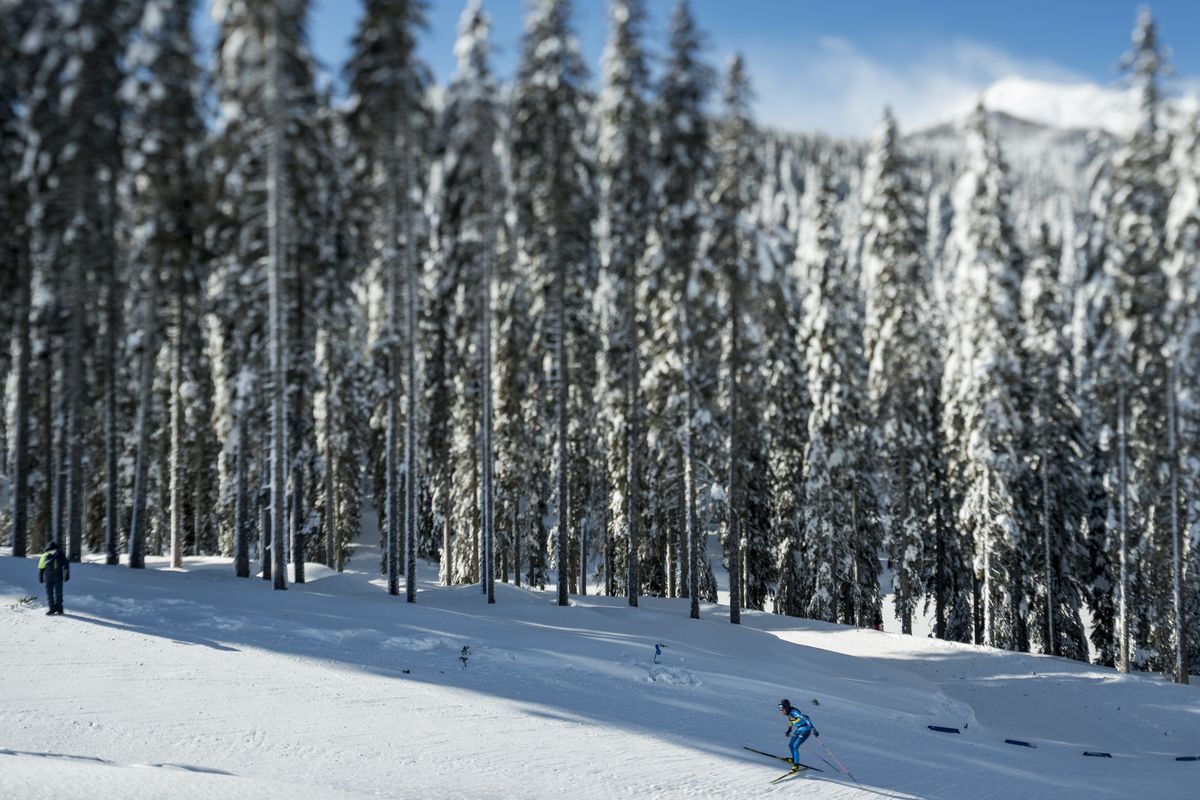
x: 799, y: 728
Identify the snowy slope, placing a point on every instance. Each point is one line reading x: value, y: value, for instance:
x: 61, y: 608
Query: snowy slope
x: 195, y: 684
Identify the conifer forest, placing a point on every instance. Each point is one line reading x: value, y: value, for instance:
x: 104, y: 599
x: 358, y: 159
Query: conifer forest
x: 596, y: 332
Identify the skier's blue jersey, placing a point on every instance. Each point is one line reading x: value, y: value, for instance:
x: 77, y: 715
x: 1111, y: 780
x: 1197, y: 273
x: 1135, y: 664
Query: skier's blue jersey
x: 801, y: 724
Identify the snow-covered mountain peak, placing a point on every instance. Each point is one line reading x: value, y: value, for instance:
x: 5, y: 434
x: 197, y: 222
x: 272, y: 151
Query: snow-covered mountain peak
x: 1064, y: 105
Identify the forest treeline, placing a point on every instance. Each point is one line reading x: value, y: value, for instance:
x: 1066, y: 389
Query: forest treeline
x: 557, y: 332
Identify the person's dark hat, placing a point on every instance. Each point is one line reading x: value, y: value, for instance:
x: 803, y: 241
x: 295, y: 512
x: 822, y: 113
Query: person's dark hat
x: 784, y: 704
x: 52, y: 546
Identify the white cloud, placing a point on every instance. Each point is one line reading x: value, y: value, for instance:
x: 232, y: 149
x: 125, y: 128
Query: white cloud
x: 1066, y: 105
x: 834, y: 87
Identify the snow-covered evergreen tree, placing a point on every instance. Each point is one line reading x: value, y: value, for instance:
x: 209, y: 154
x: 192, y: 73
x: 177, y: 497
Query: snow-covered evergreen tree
x: 72, y: 107
x: 679, y: 385
x: 1055, y: 457
x: 786, y: 403
x: 623, y: 113
x: 388, y: 122
x: 16, y: 430
x: 982, y: 390
x: 465, y: 201
x: 161, y: 160
x: 554, y: 213
x: 1135, y: 383
x: 901, y: 364
x: 1183, y: 242
x: 729, y: 247
x: 842, y: 529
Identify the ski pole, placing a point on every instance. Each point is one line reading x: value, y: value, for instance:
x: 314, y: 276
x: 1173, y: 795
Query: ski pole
x: 840, y: 765
x: 825, y: 761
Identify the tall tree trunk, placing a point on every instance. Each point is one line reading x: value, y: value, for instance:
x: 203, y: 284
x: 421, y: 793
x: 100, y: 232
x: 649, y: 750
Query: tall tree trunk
x: 43, y: 532
x: 265, y: 536
x: 331, y: 543
x: 241, y: 539
x: 299, y: 545
x: 299, y: 480
x: 633, y: 434
x: 560, y: 417
x: 516, y: 540
x: 177, y: 440
x: 276, y: 217
x: 58, y: 430
x: 735, y: 455
x: 487, y: 455
x: 20, y: 495
x: 412, y: 281
x: 138, y: 521
x: 112, y: 533
x: 73, y: 389
x: 1051, y: 640
x: 1181, y: 670
x: 1122, y: 532
x: 942, y: 579
x: 392, y: 434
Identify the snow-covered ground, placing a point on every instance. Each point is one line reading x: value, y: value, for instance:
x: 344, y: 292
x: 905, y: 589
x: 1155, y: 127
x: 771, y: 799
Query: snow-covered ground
x: 195, y: 684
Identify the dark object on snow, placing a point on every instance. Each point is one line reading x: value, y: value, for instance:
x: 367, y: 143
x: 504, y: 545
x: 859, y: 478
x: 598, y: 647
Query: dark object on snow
x: 466, y: 653
x: 54, y: 570
x: 1097, y: 755
x: 658, y: 648
x: 1019, y: 743
x: 943, y: 729
x: 1187, y: 758
x: 816, y: 702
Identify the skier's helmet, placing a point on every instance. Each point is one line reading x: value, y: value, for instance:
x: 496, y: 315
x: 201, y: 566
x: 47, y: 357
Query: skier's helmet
x: 784, y: 704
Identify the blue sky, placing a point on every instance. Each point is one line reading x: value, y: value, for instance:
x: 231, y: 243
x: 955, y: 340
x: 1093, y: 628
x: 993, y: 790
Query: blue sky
x: 832, y: 64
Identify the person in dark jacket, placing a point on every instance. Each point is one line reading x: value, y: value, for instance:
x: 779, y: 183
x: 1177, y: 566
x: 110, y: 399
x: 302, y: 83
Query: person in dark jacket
x: 53, y: 570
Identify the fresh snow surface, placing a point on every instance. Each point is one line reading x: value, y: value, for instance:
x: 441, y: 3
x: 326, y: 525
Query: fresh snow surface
x: 195, y: 684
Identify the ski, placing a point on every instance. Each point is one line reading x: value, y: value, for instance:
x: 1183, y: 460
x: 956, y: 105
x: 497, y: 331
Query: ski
x: 781, y: 758
x: 787, y: 775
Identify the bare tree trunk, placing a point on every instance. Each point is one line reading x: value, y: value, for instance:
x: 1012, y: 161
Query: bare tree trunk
x: 633, y: 434
x: 265, y: 537
x: 20, y: 509
x: 138, y: 522
x: 1122, y: 547
x: 516, y: 539
x: 989, y: 606
x: 58, y: 432
x: 301, y: 404
x: 298, y: 548
x: 177, y: 442
x: 43, y: 532
x: 412, y: 281
x: 331, y: 544
x: 735, y: 530
x: 276, y: 216
x: 112, y: 533
x: 73, y: 390
x: 1181, y: 671
x: 582, y: 575
x: 941, y: 579
x: 1051, y: 641
x: 241, y: 541
x: 487, y: 456
x: 560, y: 417
x: 690, y: 527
